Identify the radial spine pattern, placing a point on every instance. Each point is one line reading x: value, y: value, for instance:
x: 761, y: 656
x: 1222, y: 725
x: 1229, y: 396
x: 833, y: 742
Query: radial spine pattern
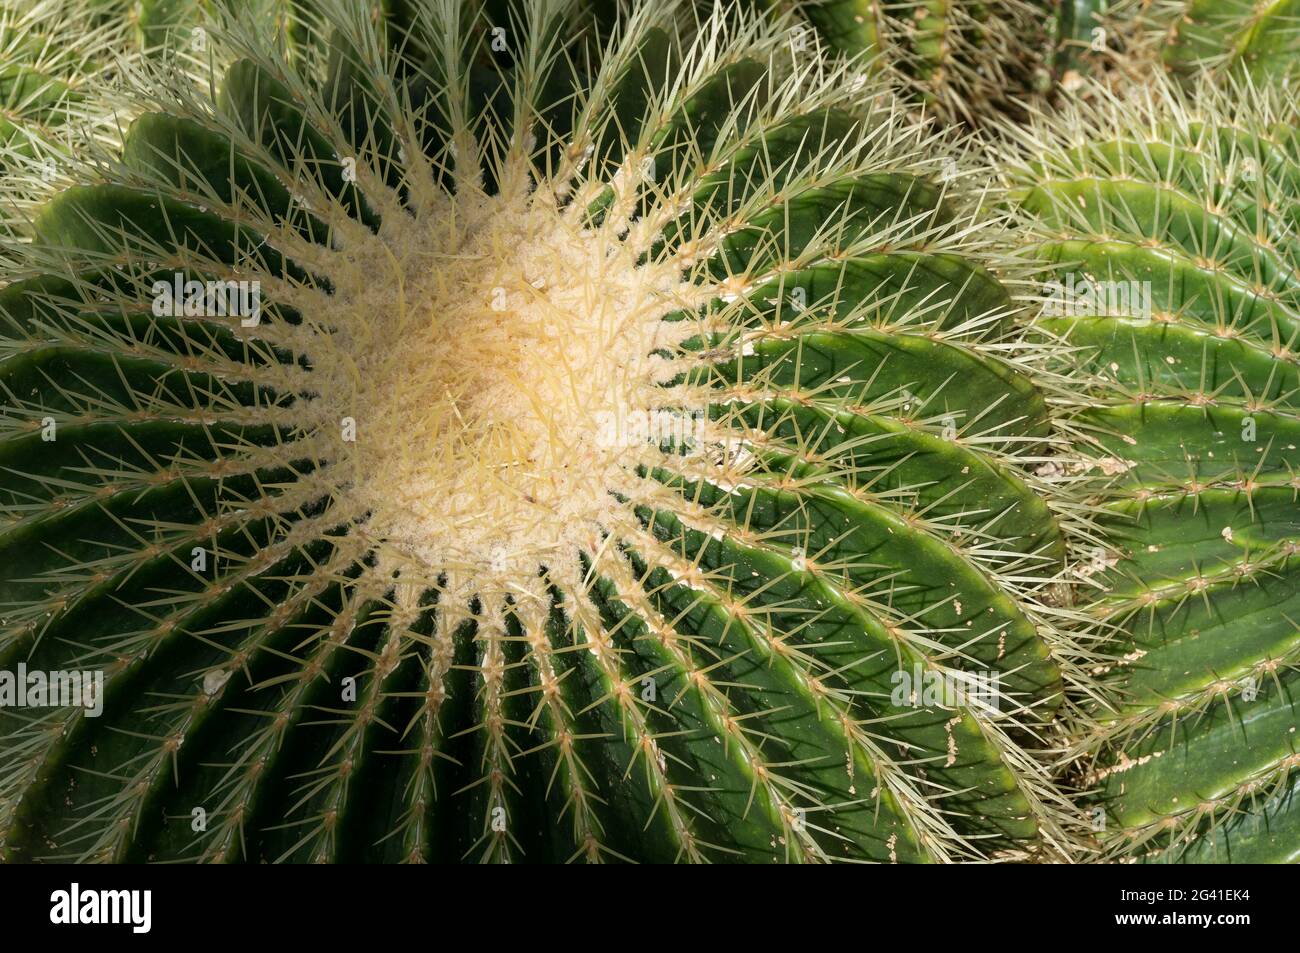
x: 503, y: 440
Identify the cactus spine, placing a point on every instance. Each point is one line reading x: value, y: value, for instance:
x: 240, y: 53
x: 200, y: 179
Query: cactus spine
x: 1234, y: 38
x: 56, y: 79
x: 964, y: 60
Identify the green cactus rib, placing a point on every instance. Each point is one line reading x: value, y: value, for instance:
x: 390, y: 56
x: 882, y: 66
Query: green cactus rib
x: 1194, y: 196
x: 162, y: 25
x: 473, y: 630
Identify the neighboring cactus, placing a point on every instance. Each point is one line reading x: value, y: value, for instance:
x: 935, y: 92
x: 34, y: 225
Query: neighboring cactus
x: 973, y: 61
x: 1195, y: 198
x: 610, y: 441
x: 1079, y: 35
x: 1232, y: 37
x: 160, y: 26
x: 56, y: 73
x: 965, y: 59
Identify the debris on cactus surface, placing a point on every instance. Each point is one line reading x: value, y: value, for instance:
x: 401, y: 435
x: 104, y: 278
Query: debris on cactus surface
x: 647, y: 430
x: 1178, y: 208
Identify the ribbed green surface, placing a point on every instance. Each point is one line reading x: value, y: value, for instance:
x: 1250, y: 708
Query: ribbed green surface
x: 1197, y: 199
x: 885, y: 524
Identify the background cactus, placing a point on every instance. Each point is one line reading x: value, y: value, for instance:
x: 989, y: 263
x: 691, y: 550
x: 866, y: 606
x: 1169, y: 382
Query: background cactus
x: 1079, y: 39
x: 1232, y: 37
x: 980, y: 63
x: 56, y: 86
x: 1194, y: 197
x: 159, y: 25
x: 964, y: 60
x: 622, y: 416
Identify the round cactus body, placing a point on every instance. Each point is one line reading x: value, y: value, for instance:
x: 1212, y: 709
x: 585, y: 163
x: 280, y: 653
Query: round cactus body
x: 1171, y: 220
x: 513, y: 442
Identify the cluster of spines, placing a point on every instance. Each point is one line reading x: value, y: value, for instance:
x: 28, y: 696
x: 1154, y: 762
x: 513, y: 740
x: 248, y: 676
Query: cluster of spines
x: 59, y: 70
x: 964, y: 60
x: 163, y: 28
